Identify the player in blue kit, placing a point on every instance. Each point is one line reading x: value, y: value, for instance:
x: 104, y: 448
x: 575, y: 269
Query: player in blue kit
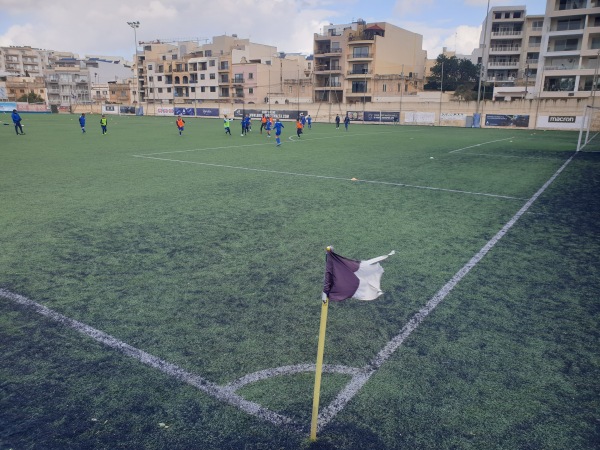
x: 278, y: 126
x: 82, y: 122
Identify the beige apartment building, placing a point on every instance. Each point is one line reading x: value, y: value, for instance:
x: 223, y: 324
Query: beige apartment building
x: 367, y: 62
x: 226, y: 70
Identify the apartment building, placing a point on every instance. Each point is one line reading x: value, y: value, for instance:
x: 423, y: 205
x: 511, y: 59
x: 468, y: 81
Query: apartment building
x: 570, y: 50
x: 68, y: 84
x: 366, y: 62
x: 555, y: 55
x: 17, y: 87
x: 227, y: 69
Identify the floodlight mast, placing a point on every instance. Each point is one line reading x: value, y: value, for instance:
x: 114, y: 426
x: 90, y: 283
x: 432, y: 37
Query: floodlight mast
x: 135, y: 25
x: 487, y: 13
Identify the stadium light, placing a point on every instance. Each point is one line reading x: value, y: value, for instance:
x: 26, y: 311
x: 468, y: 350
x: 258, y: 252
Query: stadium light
x: 135, y: 25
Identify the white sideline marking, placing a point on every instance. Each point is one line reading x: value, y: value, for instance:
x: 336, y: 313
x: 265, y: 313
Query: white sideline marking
x: 479, y: 145
x: 328, y: 177
x: 511, y: 156
x: 225, y: 394
x: 359, y: 381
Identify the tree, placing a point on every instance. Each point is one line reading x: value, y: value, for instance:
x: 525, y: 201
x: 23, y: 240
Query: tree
x: 457, y: 72
x: 32, y: 97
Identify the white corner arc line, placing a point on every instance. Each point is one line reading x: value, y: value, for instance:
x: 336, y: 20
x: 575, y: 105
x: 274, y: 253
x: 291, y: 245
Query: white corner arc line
x: 224, y: 394
x: 325, y: 177
x: 479, y: 145
x: 352, y: 388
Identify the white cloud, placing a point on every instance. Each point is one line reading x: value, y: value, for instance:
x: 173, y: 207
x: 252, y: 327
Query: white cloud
x: 411, y: 7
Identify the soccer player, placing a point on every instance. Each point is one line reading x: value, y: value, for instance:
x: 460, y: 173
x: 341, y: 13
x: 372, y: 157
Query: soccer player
x: 303, y: 120
x: 82, y: 122
x: 263, y: 122
x: 180, y: 124
x: 346, y: 121
x: 245, y: 125
x: 278, y: 127
x: 226, y: 124
x: 16, y: 118
x: 309, y: 121
x: 104, y: 124
x: 269, y: 126
x: 337, y: 121
x: 299, y: 127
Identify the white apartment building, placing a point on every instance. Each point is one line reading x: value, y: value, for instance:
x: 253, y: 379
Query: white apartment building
x: 555, y: 55
x: 570, y: 48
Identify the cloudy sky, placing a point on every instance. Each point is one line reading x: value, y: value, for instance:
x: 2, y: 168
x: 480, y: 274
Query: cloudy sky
x: 100, y: 27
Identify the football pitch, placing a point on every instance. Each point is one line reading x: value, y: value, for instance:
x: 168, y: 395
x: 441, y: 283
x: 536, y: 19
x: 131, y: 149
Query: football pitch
x: 160, y: 291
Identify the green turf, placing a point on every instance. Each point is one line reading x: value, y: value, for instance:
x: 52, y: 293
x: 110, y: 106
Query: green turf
x: 208, y: 252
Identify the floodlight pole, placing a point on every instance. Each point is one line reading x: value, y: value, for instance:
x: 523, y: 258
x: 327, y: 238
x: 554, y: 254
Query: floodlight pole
x: 587, y: 134
x: 487, y: 13
x: 401, y: 93
x: 441, y: 95
x: 135, y: 25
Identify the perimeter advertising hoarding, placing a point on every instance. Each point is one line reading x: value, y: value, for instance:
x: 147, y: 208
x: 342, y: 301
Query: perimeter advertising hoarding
x: 286, y: 114
x: 165, y: 111
x: 560, y: 122
x: 506, y: 120
x: 7, y: 106
x: 427, y: 118
x: 375, y: 116
x: 198, y: 112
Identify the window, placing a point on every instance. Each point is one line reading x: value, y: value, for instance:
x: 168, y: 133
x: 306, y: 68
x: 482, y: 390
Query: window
x: 173, y: 56
x: 161, y: 68
x: 290, y: 89
x: 213, y: 89
x: 360, y: 52
x: 159, y: 78
x: 208, y: 53
x: 202, y: 89
x: 150, y: 79
x: 211, y: 63
x: 202, y: 76
x: 160, y: 90
x: 149, y: 66
x: 193, y: 89
x: 537, y: 25
x: 250, y: 90
x: 517, y: 15
x: 384, y: 87
x: 250, y: 76
x: 212, y: 76
x: 507, y: 15
x: 535, y: 41
x: 569, y: 24
x: 168, y: 90
x: 224, y: 65
x: 359, y: 86
x: 360, y: 68
x: 562, y: 45
x: 497, y: 15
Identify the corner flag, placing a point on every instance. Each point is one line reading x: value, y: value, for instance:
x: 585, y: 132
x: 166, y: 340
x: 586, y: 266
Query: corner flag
x: 348, y: 278
x: 344, y: 278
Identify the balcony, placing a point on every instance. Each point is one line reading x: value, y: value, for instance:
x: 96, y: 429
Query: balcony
x: 328, y: 51
x: 502, y: 64
x: 359, y: 56
x: 238, y: 80
x: 359, y: 74
x: 505, y: 49
x: 330, y: 85
x: 508, y: 34
x: 357, y: 93
x: 328, y: 70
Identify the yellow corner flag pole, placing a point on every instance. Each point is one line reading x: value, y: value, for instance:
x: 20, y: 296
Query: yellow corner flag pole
x: 319, y: 369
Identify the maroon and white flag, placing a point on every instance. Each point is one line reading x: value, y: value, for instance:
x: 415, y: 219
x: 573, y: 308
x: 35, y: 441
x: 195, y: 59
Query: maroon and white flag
x: 348, y: 278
